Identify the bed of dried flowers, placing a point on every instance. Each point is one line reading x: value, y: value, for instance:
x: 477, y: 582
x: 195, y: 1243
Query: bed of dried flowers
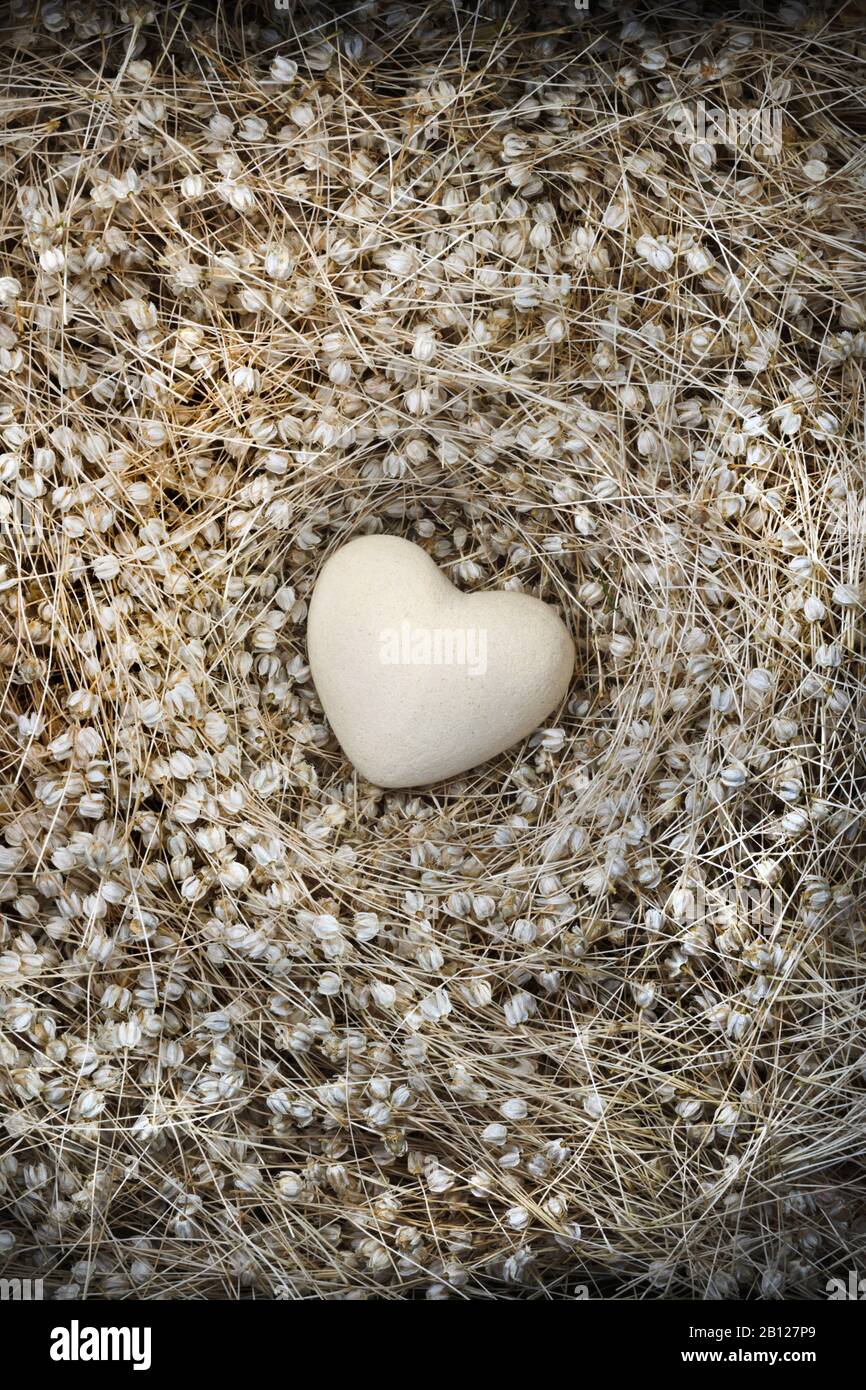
x: 592, y: 1014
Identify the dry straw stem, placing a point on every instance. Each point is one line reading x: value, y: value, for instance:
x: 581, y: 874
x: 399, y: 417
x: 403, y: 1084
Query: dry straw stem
x: 445, y: 272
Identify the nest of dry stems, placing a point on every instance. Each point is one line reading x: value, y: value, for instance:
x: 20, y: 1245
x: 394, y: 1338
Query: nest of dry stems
x: 591, y: 1015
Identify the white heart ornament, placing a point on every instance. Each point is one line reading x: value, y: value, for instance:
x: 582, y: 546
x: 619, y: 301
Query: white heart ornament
x: 419, y: 681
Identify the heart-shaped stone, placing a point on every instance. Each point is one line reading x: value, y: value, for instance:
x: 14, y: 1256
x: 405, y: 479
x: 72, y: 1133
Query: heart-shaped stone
x: 419, y: 681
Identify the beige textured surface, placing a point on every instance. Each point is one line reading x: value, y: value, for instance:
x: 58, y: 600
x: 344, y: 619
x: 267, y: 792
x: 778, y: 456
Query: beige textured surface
x: 406, y: 723
x: 266, y: 1031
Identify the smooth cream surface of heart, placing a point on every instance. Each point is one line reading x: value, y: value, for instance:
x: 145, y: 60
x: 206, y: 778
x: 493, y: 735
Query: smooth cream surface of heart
x: 419, y: 681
